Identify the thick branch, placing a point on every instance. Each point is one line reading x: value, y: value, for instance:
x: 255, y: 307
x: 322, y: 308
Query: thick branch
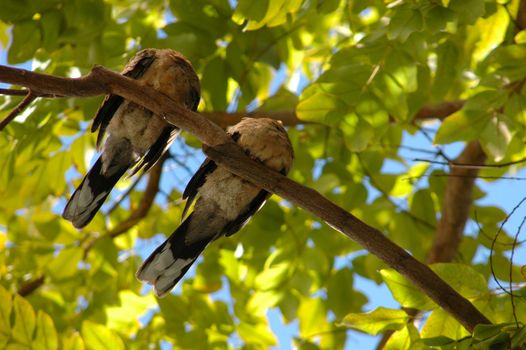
x: 439, y: 111
x: 225, y: 152
x: 455, y: 211
x: 457, y: 203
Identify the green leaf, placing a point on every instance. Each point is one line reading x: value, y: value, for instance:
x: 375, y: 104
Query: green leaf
x: 404, y: 22
x: 99, y: 337
x: 423, y: 206
x: 519, y: 338
x: 463, y: 278
x: 46, y: 337
x: 447, y: 70
x: 341, y: 297
x: 492, y: 31
x: 440, y: 323
x: 464, y: 125
x: 124, y: 318
x: 437, y: 341
x: 215, y: 84
x: 468, y: 11
x: 495, y: 137
x: 26, y: 40
x: 319, y: 107
x: 64, y: 265
x: 485, y: 331
x: 404, y: 339
x: 312, y: 317
x: 261, y: 301
x: 377, y: 321
x: 406, y: 293
x: 73, y: 342
x: 6, y: 305
x: 520, y: 37
x: 24, y: 326
x: 258, y: 333
x: 358, y: 133
x: 273, y: 276
x: 252, y: 10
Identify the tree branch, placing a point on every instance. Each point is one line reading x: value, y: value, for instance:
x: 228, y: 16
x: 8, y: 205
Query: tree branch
x: 225, y: 119
x: 289, y: 118
x: 455, y: 212
x: 30, y: 286
x: 18, y: 109
x: 220, y: 147
x: 154, y: 178
x: 457, y: 204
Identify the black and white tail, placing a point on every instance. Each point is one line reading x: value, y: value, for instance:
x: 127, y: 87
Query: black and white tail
x: 172, y: 259
x: 91, y: 193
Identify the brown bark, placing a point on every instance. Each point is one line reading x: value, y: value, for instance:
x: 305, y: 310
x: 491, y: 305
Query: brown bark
x: 456, y: 205
x: 30, y: 286
x: 225, y: 152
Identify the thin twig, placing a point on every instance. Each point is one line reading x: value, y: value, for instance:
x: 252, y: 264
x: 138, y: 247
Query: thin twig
x: 488, y: 177
x: 492, y: 248
x: 512, y: 295
x: 390, y: 201
x: 125, y: 194
x: 146, y: 202
x: 14, y: 92
x: 30, y: 97
x: 454, y: 164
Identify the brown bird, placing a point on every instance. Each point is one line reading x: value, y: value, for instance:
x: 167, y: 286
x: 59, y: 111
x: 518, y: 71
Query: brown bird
x: 226, y: 202
x: 136, y: 137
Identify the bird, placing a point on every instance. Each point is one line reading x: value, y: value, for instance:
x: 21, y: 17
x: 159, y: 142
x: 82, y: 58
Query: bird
x: 137, y: 138
x: 224, y: 205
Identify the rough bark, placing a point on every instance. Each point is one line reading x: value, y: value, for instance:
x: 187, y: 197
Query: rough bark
x: 456, y: 205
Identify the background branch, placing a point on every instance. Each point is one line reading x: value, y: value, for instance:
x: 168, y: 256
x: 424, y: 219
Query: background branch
x: 225, y: 152
x: 289, y: 118
x: 154, y: 178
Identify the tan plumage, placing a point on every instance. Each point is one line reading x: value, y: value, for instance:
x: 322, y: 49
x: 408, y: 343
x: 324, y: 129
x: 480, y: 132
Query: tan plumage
x: 136, y: 137
x: 226, y: 202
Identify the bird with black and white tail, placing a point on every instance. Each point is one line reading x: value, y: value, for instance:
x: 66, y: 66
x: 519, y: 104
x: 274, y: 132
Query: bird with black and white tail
x: 226, y: 202
x: 137, y: 138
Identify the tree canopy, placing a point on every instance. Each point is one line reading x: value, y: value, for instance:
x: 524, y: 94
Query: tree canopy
x: 399, y: 112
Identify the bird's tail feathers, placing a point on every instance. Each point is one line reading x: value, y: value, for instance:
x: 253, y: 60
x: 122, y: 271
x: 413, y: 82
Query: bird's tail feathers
x: 172, y: 259
x: 91, y: 194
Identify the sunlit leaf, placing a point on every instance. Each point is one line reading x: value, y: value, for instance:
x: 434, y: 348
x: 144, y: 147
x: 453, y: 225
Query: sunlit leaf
x: 25, y: 321
x: 46, y: 336
x: 97, y: 336
x: 377, y: 321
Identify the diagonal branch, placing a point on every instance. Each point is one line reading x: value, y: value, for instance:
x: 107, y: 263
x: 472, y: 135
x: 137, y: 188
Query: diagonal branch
x: 154, y: 178
x: 221, y: 148
x: 30, y: 97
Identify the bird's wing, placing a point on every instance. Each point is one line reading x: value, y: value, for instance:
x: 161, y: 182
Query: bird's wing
x: 134, y: 69
x: 208, y: 166
x: 238, y: 223
x: 256, y: 204
x: 155, y: 152
x: 190, y: 192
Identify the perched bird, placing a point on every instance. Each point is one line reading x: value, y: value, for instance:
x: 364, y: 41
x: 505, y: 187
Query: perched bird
x: 226, y: 202
x: 136, y: 137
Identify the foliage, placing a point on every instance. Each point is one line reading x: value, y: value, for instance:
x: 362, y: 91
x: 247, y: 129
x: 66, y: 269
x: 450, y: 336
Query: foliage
x: 359, y: 71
